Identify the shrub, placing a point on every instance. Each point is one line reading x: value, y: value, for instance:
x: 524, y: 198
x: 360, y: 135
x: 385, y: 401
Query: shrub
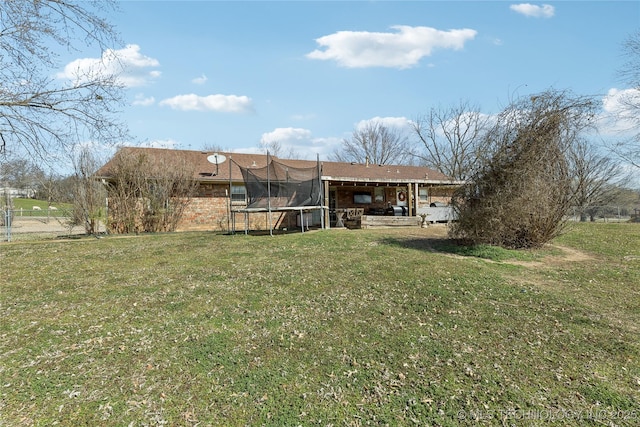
x: 521, y: 192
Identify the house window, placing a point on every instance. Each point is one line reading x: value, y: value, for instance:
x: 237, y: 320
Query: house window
x: 379, y: 195
x: 423, y: 194
x: 238, y: 193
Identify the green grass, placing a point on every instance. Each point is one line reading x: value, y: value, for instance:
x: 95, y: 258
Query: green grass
x: 368, y: 327
x: 493, y: 253
x: 61, y: 209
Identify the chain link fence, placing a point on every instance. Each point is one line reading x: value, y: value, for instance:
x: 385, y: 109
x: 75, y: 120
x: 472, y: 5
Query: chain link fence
x: 609, y: 213
x: 37, y: 224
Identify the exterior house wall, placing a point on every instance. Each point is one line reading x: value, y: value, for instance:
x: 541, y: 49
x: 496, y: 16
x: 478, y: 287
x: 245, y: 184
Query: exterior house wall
x: 205, y: 213
x: 209, y: 211
x: 441, y: 194
x: 210, y: 208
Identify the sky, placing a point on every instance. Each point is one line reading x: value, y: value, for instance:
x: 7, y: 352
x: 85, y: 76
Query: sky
x: 234, y: 76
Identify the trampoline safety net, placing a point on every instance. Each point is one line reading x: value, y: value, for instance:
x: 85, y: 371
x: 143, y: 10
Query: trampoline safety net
x: 281, y: 186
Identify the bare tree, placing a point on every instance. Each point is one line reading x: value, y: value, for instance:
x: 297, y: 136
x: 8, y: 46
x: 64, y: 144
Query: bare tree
x: 627, y: 149
x: 595, y: 177
x: 376, y: 143
x: 148, y: 194
x: 19, y: 173
x: 89, y: 194
x: 452, y: 139
x: 42, y: 114
x: 125, y: 192
x: 276, y: 149
x: 522, y: 192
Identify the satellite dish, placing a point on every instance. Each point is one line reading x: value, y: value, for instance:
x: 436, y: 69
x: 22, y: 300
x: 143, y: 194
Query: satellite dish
x: 216, y: 158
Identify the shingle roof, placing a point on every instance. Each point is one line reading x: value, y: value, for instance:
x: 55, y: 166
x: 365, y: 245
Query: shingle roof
x: 334, y: 171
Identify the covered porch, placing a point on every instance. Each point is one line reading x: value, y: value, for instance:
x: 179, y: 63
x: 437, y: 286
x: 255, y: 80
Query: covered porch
x: 366, y: 204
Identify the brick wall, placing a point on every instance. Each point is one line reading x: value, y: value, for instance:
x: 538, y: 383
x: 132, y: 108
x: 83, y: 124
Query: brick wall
x: 209, y: 211
x: 205, y: 213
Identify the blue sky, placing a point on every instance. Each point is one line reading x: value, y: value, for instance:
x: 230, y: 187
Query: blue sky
x: 305, y: 73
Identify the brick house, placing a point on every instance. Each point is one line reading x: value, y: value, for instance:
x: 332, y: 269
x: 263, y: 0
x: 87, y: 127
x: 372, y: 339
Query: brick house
x: 354, y: 194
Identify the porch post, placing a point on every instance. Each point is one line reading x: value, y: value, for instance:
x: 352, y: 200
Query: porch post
x: 327, y: 221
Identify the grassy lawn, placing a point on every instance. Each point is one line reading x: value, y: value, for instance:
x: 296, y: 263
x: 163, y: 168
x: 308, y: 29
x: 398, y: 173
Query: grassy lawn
x: 368, y: 327
x: 20, y: 204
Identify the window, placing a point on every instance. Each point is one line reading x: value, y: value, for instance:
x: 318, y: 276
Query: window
x: 423, y: 194
x: 379, y: 194
x: 362, y: 198
x: 238, y: 193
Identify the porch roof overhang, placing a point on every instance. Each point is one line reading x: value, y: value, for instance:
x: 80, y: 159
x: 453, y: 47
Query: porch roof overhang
x: 395, y: 182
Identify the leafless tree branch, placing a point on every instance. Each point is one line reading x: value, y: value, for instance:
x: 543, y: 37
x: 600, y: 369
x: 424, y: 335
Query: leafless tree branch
x: 451, y: 138
x: 376, y: 143
x: 42, y: 114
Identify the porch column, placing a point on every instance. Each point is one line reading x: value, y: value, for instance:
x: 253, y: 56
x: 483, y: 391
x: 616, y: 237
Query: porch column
x: 410, y: 200
x: 325, y: 212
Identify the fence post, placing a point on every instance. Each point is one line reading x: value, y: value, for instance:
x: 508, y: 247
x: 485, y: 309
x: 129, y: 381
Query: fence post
x: 7, y: 223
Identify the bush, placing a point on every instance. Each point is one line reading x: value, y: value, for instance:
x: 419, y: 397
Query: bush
x: 148, y: 194
x: 521, y: 192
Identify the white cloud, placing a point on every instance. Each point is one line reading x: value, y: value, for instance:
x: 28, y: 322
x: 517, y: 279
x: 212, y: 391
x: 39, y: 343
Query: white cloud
x: 614, y: 101
x: 247, y: 150
x: 618, y: 117
x: 402, y: 124
x: 128, y: 66
x: 306, y: 146
x: 301, y: 142
x: 285, y: 136
x: 200, y: 80
x: 401, y: 49
x: 143, y: 101
x: 323, y: 147
x: 220, y: 103
x: 534, y: 11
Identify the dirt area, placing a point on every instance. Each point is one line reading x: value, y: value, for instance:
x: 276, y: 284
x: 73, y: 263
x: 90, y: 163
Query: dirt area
x: 426, y: 238
x: 30, y: 228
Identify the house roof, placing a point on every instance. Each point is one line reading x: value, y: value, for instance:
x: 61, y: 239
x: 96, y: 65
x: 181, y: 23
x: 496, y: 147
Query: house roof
x: 332, y: 171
